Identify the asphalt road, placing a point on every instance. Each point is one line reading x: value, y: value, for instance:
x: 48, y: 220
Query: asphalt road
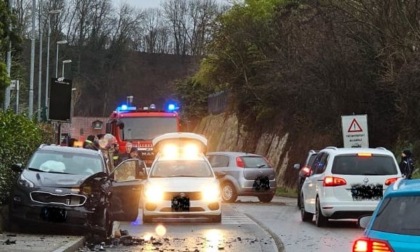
x: 237, y: 233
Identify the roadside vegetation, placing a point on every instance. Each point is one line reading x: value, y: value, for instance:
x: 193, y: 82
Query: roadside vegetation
x: 298, y: 66
x: 19, y: 137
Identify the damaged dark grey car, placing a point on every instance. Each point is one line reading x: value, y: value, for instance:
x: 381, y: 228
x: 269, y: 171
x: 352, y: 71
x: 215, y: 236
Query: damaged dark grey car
x: 67, y: 187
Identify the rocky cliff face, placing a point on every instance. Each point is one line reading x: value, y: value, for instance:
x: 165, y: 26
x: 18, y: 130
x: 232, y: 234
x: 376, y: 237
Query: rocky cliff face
x: 225, y: 134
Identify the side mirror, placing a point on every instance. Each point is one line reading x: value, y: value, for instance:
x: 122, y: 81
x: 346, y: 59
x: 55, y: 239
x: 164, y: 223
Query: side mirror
x: 17, y: 167
x: 363, y: 221
x: 120, y: 125
x: 296, y: 166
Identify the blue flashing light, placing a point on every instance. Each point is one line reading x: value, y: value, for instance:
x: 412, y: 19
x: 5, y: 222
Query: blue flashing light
x: 171, y: 106
x: 124, y: 107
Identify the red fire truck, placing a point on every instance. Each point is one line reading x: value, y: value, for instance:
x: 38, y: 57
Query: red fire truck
x: 140, y: 126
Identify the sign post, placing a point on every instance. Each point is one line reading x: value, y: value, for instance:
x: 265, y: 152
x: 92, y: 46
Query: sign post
x: 355, y: 131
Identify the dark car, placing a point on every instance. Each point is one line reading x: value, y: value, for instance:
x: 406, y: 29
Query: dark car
x: 304, y: 171
x: 246, y: 174
x: 68, y: 187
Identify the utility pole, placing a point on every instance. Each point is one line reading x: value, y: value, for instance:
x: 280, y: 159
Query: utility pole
x: 8, y: 63
x: 31, y: 79
x: 47, y: 70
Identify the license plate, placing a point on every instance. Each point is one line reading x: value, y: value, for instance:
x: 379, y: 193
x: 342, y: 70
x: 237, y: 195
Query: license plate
x: 180, y: 204
x: 53, y: 214
x: 261, y: 184
x: 367, y: 192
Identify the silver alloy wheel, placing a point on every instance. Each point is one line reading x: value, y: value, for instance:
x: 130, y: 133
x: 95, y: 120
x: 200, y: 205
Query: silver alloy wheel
x: 228, y: 193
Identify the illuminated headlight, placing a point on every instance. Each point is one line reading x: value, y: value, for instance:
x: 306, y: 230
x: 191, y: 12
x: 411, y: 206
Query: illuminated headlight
x: 25, y: 182
x: 211, y: 192
x: 153, y: 193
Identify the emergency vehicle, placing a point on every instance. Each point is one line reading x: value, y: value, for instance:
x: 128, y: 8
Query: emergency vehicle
x: 140, y: 125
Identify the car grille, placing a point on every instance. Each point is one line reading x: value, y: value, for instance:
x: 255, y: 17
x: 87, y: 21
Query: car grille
x: 58, y: 199
x: 190, y: 195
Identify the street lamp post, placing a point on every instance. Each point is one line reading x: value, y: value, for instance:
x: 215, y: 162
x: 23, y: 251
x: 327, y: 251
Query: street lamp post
x: 40, y: 62
x: 31, y: 77
x: 61, y: 42
x: 47, y: 74
x: 62, y: 69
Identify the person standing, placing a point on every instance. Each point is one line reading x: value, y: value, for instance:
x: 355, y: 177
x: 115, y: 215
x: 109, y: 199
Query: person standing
x: 407, y: 164
x: 126, y: 154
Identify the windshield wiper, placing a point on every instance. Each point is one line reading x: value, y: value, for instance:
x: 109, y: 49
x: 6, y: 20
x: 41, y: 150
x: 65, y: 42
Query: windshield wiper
x: 261, y: 165
x: 35, y: 169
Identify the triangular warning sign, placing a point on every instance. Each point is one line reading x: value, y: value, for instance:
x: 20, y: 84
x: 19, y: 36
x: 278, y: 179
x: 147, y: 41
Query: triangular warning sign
x: 354, y: 126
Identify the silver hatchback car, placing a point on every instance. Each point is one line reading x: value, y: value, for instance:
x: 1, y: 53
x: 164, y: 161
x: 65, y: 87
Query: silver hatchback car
x: 247, y: 174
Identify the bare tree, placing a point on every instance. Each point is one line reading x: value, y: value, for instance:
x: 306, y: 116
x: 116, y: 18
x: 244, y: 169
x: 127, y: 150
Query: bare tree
x: 176, y: 13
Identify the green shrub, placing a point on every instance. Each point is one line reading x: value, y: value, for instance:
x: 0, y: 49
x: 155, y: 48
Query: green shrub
x: 19, y: 137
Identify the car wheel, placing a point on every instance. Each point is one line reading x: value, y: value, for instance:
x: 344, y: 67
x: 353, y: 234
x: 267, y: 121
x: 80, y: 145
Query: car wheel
x: 320, y: 219
x: 266, y: 198
x: 103, y: 222
x: 228, y: 193
x: 298, y: 202
x: 305, y: 216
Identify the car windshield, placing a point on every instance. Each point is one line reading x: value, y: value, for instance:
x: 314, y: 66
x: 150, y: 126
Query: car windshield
x: 181, y: 168
x: 364, y: 165
x: 69, y: 163
x: 399, y: 215
x: 150, y: 127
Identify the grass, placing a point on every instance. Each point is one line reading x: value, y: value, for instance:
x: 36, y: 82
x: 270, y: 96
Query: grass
x: 286, y: 192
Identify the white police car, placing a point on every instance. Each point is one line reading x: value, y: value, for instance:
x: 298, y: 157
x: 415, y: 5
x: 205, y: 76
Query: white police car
x: 181, y: 182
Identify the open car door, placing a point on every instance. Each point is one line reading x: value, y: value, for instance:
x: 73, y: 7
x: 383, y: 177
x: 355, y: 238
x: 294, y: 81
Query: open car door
x: 127, y: 187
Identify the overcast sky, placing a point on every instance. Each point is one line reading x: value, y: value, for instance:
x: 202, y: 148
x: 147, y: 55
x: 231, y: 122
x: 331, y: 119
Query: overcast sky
x: 140, y: 3
x: 147, y: 3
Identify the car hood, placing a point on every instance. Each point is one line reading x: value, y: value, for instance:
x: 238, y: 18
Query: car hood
x: 181, y: 184
x: 46, y: 179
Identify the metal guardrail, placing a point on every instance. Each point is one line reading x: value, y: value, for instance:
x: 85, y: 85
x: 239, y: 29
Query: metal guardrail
x: 217, y: 102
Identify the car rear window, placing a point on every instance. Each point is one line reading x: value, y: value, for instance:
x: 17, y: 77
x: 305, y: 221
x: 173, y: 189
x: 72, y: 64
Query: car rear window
x: 399, y: 215
x: 362, y: 165
x: 255, y: 162
x: 181, y: 168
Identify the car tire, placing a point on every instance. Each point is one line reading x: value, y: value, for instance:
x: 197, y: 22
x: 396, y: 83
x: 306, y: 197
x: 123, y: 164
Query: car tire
x: 266, y: 198
x: 305, y: 216
x: 103, y: 221
x: 320, y: 219
x: 229, y: 194
x: 298, y: 202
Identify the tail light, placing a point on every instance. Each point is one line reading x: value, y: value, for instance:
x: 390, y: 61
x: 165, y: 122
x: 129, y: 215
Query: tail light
x: 390, y: 181
x: 371, y: 245
x: 240, y: 163
x: 334, y: 181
